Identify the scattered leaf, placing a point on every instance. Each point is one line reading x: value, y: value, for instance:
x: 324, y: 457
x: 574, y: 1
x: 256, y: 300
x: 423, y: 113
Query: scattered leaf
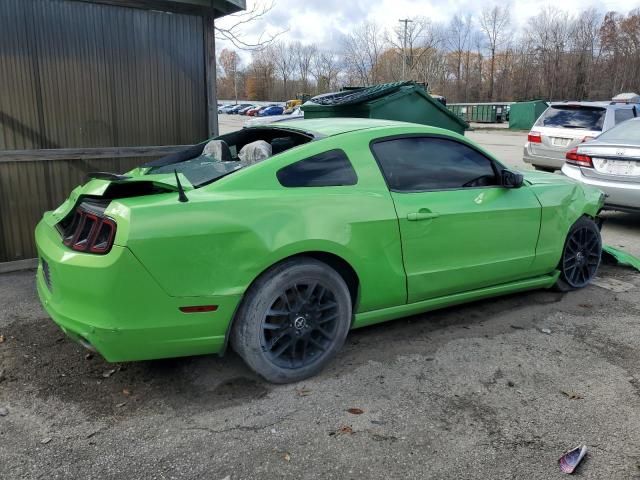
x: 88, y: 356
x: 108, y: 373
x: 546, y: 330
x: 126, y: 392
x: 120, y: 405
x: 286, y: 457
x: 355, y: 411
x: 303, y: 391
x: 572, y: 395
x: 2, y: 338
x: 343, y: 430
x: 46, y: 440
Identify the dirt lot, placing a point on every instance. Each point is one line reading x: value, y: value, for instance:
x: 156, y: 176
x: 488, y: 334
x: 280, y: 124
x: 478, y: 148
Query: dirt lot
x: 494, y: 389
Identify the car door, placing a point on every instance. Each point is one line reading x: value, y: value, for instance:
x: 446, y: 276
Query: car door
x: 460, y: 229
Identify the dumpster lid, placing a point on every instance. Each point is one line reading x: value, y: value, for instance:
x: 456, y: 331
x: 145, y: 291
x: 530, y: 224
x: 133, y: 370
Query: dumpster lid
x: 359, y: 95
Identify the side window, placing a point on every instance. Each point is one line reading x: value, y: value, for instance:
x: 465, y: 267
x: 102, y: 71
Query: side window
x: 328, y: 169
x: 623, y: 114
x: 425, y: 163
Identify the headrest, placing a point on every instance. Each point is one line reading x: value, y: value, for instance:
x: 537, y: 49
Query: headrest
x: 217, y: 150
x: 255, y: 152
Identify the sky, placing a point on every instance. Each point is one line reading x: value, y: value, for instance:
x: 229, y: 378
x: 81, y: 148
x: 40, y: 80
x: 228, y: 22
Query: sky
x: 323, y: 22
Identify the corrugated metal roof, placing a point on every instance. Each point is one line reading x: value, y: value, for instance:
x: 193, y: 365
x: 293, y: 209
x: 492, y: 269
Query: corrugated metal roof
x: 218, y: 8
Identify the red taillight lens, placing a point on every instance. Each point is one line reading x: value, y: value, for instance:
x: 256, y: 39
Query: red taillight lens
x: 88, y: 232
x: 534, y: 137
x: 575, y: 158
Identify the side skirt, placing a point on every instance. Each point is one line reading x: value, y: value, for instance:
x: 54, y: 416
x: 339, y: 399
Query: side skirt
x: 391, y: 313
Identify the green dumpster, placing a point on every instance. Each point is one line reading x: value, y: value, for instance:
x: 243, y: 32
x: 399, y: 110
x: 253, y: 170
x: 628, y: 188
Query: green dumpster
x: 480, y: 112
x: 523, y: 115
x: 403, y: 101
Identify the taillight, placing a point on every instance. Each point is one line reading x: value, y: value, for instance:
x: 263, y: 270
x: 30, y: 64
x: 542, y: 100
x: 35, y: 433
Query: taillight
x: 575, y: 158
x: 534, y: 137
x: 88, y: 232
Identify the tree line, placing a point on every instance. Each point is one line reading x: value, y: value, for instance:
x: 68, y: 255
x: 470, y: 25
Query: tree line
x: 555, y: 55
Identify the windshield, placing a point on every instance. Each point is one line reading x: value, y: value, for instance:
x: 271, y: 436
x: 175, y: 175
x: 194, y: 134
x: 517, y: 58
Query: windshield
x: 588, y: 118
x: 627, y: 132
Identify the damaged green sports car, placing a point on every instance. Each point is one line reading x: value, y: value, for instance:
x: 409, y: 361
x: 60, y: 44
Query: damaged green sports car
x: 279, y: 239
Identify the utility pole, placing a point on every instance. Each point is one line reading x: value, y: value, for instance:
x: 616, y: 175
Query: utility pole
x: 406, y: 22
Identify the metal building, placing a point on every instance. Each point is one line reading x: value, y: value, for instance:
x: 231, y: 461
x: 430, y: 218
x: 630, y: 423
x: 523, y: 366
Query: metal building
x: 90, y: 85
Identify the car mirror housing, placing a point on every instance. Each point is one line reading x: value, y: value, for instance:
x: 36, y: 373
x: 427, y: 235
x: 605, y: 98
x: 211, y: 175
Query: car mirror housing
x: 510, y: 179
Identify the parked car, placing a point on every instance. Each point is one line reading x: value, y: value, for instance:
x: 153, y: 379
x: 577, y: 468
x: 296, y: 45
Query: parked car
x: 565, y: 125
x: 244, y: 110
x: 253, y: 112
x: 296, y: 114
x: 272, y: 110
x: 611, y: 163
x: 343, y: 223
x: 237, y: 108
x: 226, y: 108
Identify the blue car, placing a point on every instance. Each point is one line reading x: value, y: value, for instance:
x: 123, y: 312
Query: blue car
x: 273, y: 110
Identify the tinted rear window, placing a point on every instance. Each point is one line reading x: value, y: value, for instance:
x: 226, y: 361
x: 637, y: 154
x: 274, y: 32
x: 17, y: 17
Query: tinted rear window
x: 588, y: 118
x: 328, y: 169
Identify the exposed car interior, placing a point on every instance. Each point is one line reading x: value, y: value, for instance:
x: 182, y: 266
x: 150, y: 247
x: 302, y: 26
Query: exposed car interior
x: 206, y: 162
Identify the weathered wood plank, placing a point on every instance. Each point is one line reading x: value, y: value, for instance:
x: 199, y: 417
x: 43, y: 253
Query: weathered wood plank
x: 87, y: 153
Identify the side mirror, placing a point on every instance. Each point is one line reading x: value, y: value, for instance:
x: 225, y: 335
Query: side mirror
x: 511, y: 179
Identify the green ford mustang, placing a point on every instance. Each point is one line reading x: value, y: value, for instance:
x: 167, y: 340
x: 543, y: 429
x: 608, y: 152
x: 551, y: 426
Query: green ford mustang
x: 281, y: 238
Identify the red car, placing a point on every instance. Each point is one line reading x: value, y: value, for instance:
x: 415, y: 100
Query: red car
x: 253, y: 112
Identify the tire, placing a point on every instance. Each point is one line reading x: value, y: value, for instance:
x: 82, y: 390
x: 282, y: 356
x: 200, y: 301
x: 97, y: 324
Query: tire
x: 544, y: 169
x: 293, y: 320
x: 580, y: 256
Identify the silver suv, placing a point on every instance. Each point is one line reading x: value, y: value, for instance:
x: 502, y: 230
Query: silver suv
x: 565, y: 125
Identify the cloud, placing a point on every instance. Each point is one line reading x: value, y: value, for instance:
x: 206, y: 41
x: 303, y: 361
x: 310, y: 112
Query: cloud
x: 325, y: 22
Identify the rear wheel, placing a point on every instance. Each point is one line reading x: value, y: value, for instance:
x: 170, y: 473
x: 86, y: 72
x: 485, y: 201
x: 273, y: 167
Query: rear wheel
x: 293, y: 320
x: 581, y: 255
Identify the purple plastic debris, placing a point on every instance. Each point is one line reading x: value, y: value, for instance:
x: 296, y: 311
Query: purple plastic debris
x: 570, y: 460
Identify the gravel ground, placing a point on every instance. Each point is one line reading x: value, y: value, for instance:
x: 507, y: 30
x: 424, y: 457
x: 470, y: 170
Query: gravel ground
x: 477, y: 391
x: 494, y: 389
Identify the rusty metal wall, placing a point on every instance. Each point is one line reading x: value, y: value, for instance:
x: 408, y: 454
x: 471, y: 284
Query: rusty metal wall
x: 76, y: 74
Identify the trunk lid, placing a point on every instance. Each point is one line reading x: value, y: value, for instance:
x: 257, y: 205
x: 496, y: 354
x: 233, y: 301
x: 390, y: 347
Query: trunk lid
x: 612, y: 161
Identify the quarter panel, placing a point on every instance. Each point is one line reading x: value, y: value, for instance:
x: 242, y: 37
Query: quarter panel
x: 230, y: 232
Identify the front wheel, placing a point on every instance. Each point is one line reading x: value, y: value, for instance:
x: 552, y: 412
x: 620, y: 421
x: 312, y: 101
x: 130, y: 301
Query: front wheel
x: 581, y: 255
x: 293, y: 320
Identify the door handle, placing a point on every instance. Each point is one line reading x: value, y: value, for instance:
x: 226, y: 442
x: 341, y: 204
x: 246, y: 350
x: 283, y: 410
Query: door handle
x: 422, y: 215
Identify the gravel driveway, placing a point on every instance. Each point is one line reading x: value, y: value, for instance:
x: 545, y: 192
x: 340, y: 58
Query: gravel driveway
x: 477, y: 391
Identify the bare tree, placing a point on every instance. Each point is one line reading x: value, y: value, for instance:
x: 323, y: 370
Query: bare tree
x: 232, y: 27
x: 282, y: 56
x: 458, y: 37
x: 230, y: 63
x: 362, y: 50
x: 494, y: 23
x: 325, y: 68
x: 304, y: 55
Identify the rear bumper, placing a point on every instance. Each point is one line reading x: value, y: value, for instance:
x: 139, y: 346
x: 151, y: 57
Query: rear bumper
x: 541, y: 160
x: 620, y: 195
x: 112, y: 304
